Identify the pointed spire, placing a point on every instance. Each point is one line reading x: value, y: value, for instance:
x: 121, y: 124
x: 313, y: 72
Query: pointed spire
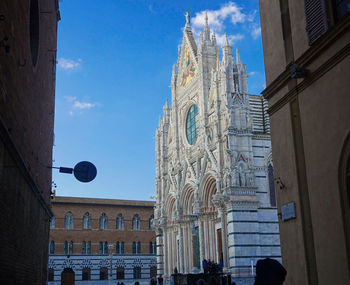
x: 166, y: 104
x: 226, y: 43
x: 173, y: 75
x: 160, y: 120
x: 206, y: 28
x: 238, y: 58
x: 188, y: 22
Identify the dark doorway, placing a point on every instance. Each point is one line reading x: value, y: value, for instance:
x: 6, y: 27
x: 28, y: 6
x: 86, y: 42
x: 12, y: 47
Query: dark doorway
x: 67, y: 276
x: 103, y: 273
x: 219, y: 239
x: 86, y: 274
x: 120, y: 273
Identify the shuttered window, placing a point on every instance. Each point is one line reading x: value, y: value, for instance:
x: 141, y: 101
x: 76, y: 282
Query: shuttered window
x: 316, y: 19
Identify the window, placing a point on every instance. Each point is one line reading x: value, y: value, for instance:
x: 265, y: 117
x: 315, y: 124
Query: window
x: 103, y: 273
x: 152, y: 248
x: 86, y: 221
x: 103, y: 222
x: 191, y: 127
x: 86, y: 247
x: 103, y: 247
x: 271, y: 186
x: 341, y: 8
x: 68, y: 247
x: 69, y: 221
x: 120, y: 222
x: 136, y: 222
x: 151, y: 223
x: 52, y: 247
x: 136, y: 247
x: 317, y: 18
x: 51, y: 275
x: 137, y: 272
x: 120, y: 273
x: 86, y: 274
x: 153, y: 272
x: 120, y: 247
x: 52, y: 222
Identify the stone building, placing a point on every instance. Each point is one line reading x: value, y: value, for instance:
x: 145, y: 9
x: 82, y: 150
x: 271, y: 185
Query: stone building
x: 28, y: 33
x: 306, y: 49
x: 214, y: 173
x: 90, y: 235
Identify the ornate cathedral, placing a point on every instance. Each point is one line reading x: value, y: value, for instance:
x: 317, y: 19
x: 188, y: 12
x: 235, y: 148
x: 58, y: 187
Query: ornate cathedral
x: 214, y: 171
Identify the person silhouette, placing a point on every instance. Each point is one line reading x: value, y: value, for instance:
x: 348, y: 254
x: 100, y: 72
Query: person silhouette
x: 269, y: 272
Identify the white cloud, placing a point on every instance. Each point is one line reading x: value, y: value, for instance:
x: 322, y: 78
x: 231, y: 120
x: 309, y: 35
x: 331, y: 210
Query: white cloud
x: 69, y: 64
x: 251, y: 73
x: 220, y: 38
x: 256, y: 31
x: 76, y: 105
x: 216, y: 19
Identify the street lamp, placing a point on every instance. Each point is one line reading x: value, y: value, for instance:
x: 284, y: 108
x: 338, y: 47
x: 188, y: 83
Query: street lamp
x: 110, y: 248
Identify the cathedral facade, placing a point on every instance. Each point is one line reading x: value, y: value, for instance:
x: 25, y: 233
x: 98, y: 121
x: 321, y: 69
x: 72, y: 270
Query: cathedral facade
x: 214, y: 171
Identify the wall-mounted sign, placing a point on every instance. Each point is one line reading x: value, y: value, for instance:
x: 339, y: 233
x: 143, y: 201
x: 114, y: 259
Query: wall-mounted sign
x: 288, y: 212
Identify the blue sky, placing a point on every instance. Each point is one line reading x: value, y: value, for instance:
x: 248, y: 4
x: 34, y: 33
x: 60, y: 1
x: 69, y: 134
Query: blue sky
x: 113, y: 75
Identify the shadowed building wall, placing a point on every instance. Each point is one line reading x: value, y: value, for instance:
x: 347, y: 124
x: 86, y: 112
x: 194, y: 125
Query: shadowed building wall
x: 28, y: 33
x: 306, y: 52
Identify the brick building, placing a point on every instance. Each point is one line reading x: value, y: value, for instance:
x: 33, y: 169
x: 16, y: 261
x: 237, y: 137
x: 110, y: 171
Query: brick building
x: 87, y: 234
x: 28, y: 34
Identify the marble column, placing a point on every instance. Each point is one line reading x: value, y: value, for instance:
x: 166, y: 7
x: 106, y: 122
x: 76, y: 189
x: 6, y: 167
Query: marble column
x: 181, y: 250
x: 159, y: 251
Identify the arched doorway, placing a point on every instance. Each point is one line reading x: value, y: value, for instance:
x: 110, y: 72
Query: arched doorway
x: 212, y: 232
x: 67, y: 276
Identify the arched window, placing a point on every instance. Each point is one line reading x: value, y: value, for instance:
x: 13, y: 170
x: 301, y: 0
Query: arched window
x: 69, y: 221
x: 86, y: 273
x: 103, y: 222
x: 52, y: 222
x: 86, y: 221
x: 83, y: 247
x: 103, y: 247
x: 133, y: 247
x: 120, y: 273
x: 120, y: 222
x: 51, y: 275
x: 138, y: 247
x: 103, y: 273
x: 68, y: 247
x: 151, y: 223
x: 52, y: 247
x: 271, y: 186
x: 136, y: 222
x: 191, y: 127
x: 153, y: 272
x: 137, y: 272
